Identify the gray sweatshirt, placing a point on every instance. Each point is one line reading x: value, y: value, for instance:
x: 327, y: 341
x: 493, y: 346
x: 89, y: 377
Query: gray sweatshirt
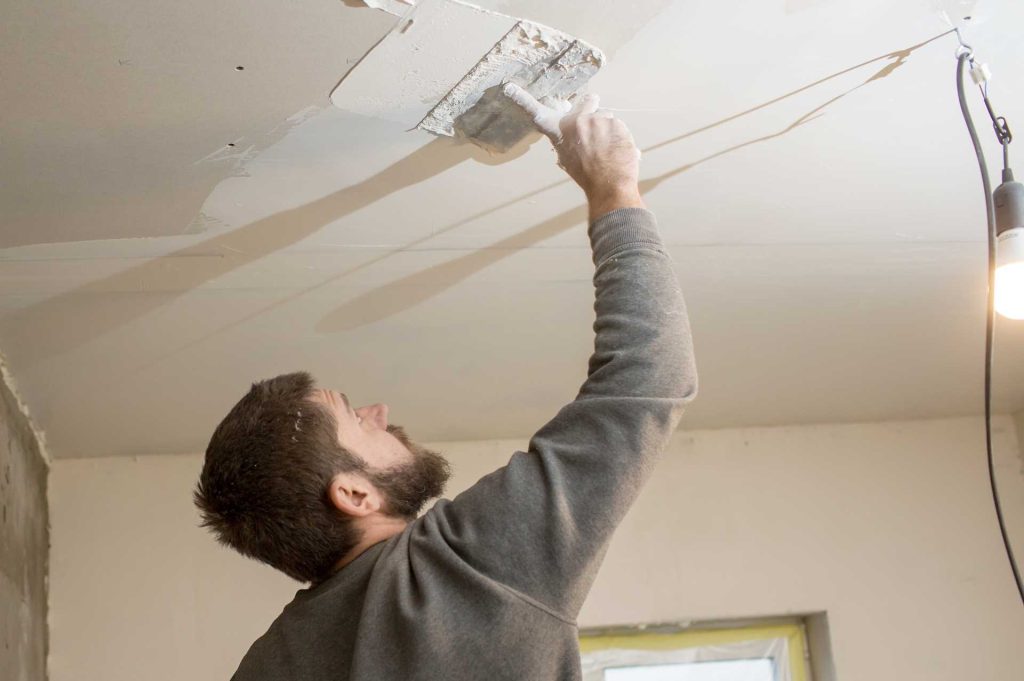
x: 487, y: 586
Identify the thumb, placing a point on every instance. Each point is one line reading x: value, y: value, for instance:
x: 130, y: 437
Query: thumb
x: 544, y: 117
x: 587, y: 104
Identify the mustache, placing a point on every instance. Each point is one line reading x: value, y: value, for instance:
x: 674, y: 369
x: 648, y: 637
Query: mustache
x: 399, y: 432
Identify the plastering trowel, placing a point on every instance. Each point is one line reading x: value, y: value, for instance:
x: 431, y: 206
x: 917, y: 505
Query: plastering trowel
x: 428, y: 73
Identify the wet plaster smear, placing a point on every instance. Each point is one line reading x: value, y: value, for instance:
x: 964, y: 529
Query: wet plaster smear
x: 380, y: 84
x: 429, y: 85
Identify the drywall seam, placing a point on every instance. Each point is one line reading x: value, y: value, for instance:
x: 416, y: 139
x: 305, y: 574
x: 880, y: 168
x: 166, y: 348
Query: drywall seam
x: 37, y: 433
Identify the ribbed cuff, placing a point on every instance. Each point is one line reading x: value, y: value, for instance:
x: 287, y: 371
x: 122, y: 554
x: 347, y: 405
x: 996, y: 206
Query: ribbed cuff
x: 622, y: 227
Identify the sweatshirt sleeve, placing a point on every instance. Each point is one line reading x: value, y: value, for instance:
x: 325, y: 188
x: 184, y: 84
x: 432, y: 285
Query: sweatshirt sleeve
x: 541, y: 524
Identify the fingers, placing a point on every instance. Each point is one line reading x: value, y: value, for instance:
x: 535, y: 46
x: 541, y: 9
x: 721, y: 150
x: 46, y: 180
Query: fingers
x: 560, y: 105
x: 523, y: 98
x: 544, y: 117
x: 587, y: 104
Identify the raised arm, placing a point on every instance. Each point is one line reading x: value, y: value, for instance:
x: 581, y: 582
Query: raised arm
x: 541, y: 524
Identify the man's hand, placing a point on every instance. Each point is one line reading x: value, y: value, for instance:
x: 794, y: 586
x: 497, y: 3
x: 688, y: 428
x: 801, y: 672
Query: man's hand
x: 594, y: 147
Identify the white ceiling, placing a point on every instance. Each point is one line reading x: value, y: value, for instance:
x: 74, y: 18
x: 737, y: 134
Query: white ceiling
x: 815, y: 184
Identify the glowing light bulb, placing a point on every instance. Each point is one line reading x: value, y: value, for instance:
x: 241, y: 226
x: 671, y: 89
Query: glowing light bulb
x: 1009, y: 209
x: 1010, y: 290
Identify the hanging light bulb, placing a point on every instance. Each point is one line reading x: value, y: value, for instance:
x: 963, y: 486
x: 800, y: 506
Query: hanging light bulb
x: 1009, y: 208
x: 1006, y: 203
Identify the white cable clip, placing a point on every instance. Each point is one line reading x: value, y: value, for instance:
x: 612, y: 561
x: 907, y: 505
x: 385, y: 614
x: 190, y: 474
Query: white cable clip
x: 980, y: 73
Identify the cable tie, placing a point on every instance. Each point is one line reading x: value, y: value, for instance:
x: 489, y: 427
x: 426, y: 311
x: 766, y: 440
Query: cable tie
x: 981, y: 73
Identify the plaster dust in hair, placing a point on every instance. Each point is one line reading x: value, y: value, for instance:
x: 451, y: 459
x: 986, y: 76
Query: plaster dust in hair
x: 440, y: 69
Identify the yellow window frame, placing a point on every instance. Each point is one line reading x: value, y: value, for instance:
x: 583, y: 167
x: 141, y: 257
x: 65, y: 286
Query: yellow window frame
x: 696, y: 638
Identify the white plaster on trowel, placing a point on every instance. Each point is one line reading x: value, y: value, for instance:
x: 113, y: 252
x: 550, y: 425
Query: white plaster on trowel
x: 444, y: 57
x: 545, y: 61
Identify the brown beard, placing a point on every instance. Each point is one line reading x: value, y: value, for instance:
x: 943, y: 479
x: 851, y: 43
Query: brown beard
x: 409, y: 486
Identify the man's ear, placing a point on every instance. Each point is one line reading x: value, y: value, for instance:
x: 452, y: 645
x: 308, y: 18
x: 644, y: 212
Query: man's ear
x: 353, y: 494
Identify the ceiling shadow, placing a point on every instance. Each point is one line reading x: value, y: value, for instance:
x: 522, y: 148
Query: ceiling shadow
x: 333, y: 322
x: 896, y: 59
x: 66, y: 321
x: 416, y: 288
x: 69, y: 320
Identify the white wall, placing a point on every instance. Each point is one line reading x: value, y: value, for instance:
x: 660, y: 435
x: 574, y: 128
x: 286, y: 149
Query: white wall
x: 887, y: 527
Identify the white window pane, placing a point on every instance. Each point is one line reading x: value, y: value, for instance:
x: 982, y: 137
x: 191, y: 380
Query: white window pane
x: 729, y: 670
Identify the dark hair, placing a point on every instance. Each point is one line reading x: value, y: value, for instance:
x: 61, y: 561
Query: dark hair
x: 263, y: 489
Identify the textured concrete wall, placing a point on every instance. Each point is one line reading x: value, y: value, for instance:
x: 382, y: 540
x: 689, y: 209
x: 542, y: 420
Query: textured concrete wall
x: 24, y: 546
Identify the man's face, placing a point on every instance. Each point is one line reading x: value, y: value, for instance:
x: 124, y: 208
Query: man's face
x: 364, y: 431
x: 407, y: 474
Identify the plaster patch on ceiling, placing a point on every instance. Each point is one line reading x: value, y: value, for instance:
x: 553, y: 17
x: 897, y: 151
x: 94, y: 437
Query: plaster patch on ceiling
x: 415, y: 65
x: 417, y: 75
x: 549, y: 64
x: 396, y: 7
x: 240, y: 154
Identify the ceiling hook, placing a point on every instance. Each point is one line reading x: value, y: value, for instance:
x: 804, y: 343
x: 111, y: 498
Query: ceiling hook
x: 964, y: 48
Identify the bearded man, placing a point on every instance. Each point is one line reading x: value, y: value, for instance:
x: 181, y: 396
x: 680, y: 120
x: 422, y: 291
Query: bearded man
x: 487, y: 586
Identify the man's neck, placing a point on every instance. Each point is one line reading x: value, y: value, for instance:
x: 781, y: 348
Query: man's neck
x: 375, y: 530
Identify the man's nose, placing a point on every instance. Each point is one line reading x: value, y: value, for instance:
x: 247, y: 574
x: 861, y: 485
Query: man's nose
x: 377, y: 414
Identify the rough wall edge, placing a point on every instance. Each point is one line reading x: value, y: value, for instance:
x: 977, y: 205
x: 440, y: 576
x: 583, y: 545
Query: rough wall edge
x: 10, y: 387
x: 26, y: 428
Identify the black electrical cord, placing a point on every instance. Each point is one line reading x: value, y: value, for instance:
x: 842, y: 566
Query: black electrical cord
x: 990, y: 308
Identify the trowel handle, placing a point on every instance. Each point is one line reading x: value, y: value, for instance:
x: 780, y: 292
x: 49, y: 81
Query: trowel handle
x: 547, y: 118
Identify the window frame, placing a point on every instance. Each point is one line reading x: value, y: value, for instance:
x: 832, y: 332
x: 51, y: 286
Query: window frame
x: 675, y: 637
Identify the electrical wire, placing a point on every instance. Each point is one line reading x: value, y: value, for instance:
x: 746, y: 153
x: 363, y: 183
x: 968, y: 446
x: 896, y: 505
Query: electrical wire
x: 962, y: 59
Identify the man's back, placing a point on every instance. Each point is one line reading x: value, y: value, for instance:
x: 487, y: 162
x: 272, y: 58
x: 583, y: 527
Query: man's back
x: 410, y: 608
x: 488, y: 586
